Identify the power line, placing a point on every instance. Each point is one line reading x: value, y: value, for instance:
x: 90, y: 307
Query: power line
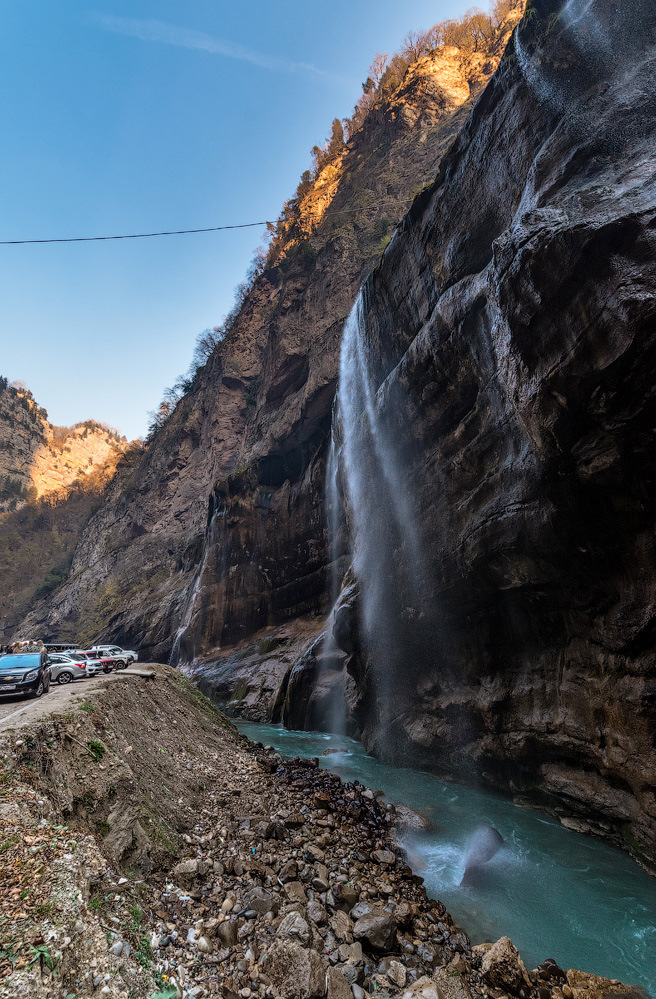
x: 184, y: 232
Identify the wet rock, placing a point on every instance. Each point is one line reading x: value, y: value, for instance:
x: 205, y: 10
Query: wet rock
x: 377, y: 928
x: 385, y: 857
x: 503, y: 968
x: 294, y: 971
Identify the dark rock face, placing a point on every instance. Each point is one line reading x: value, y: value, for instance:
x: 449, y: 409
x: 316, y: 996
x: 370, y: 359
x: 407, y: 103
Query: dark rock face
x: 511, y: 331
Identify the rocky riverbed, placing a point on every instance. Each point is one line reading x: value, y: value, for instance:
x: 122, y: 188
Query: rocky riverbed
x: 181, y: 860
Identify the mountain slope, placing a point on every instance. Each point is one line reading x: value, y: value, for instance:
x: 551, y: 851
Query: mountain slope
x: 51, y: 481
x: 252, y: 433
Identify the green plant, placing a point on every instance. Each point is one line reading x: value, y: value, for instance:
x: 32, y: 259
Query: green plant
x: 144, y: 952
x: 96, y: 749
x: 86, y: 706
x: 102, y: 827
x: 137, y: 914
x: 42, y: 954
x: 166, y: 992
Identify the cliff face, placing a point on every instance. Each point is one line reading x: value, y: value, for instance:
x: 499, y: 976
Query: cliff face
x: 507, y: 345
x: 51, y: 481
x: 39, y: 458
x: 161, y: 559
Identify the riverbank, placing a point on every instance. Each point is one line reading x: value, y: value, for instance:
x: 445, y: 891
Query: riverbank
x: 149, y: 849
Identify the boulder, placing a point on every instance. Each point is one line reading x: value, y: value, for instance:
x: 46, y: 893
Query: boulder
x: 294, y: 971
x: 295, y: 927
x: 378, y: 928
x: 503, y: 968
x: 337, y: 987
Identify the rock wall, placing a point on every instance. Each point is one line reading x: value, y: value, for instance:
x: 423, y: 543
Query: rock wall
x: 160, y: 565
x: 39, y: 458
x: 510, y: 336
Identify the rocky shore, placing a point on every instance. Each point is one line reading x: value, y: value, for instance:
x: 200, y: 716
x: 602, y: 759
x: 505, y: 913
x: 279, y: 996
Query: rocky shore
x: 174, y: 858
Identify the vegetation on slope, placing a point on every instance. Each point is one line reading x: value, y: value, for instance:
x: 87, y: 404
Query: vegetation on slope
x: 475, y: 33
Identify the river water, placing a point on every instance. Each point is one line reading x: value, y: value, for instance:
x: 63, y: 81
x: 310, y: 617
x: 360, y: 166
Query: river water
x: 555, y: 893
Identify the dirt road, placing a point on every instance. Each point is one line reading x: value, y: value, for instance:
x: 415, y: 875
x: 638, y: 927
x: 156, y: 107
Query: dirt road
x: 18, y: 711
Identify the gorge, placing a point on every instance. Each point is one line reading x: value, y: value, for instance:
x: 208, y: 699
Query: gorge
x: 490, y: 446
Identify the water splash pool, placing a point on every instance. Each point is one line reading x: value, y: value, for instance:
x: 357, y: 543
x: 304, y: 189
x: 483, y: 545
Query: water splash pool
x: 555, y: 893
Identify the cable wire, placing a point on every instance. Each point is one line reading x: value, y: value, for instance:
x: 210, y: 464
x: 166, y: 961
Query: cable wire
x: 183, y: 232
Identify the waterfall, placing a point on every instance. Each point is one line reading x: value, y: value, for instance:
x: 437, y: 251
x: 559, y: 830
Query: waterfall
x: 591, y: 46
x: 329, y: 649
x: 387, y: 550
x: 208, y: 547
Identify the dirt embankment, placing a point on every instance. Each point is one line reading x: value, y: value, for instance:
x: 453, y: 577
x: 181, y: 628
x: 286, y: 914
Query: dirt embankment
x: 148, y: 850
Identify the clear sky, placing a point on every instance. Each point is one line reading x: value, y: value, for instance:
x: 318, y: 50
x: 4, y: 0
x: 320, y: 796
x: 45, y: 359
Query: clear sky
x: 141, y: 115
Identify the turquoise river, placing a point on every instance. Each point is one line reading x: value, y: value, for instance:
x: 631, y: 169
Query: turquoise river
x: 555, y: 893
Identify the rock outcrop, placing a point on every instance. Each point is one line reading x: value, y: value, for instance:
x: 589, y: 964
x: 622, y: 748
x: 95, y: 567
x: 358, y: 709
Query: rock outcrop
x: 510, y: 341
x: 510, y: 359
x: 37, y: 458
x: 219, y: 529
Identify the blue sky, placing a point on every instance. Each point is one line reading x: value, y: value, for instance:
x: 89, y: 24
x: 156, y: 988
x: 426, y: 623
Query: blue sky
x: 144, y: 115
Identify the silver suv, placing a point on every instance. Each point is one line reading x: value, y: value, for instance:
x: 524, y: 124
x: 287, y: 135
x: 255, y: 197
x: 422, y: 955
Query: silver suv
x: 123, y: 657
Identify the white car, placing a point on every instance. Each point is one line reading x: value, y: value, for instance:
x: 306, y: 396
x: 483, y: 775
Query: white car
x: 93, y: 664
x: 116, y: 652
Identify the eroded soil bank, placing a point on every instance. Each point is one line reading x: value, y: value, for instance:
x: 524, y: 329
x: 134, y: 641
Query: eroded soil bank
x: 147, y: 849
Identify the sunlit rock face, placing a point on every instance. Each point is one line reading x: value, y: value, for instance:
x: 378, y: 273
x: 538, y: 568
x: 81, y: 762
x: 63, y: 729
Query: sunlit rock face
x: 158, y: 569
x: 38, y: 459
x: 510, y: 337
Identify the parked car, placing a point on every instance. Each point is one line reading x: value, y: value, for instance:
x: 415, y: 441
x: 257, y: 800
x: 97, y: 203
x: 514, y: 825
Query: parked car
x: 26, y: 673
x: 66, y: 667
x: 92, y: 659
x: 116, y: 650
x: 104, y: 662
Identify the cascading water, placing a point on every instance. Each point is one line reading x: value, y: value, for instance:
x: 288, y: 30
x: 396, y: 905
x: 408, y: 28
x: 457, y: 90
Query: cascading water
x: 587, y: 43
x: 330, y: 652
x: 218, y: 516
x: 388, y: 560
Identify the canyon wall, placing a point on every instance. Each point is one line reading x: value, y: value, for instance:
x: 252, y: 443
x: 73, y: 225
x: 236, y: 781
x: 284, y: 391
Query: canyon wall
x: 500, y: 624
x: 508, y: 345
x: 161, y: 567
x: 39, y: 458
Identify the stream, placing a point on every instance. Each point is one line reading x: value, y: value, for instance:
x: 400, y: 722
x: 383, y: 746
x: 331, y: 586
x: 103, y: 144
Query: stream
x: 555, y: 893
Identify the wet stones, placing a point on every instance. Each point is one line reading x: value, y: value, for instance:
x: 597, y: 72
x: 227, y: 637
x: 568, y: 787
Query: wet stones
x: 384, y: 857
